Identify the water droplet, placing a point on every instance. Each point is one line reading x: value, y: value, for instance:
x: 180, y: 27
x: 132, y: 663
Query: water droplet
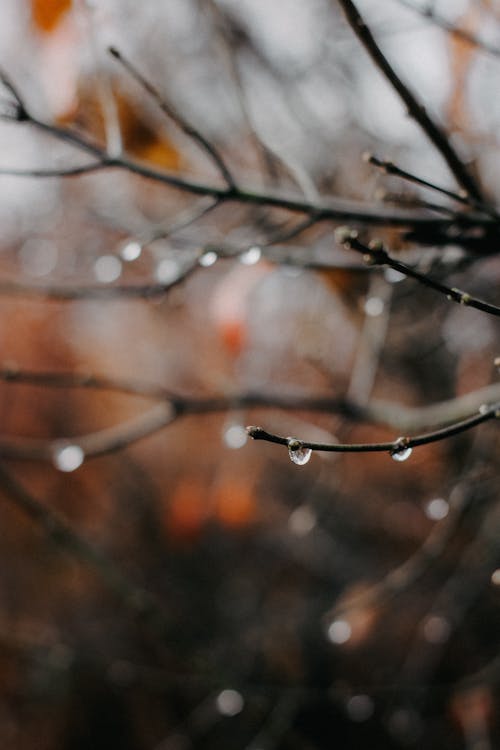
x: 131, y: 251
x: 235, y: 436
x: 393, y: 276
x: 297, y: 452
x: 251, y: 256
x: 374, y: 306
x: 495, y: 577
x: 208, y: 258
x: 167, y: 271
x: 38, y: 257
x: 107, y: 268
x: 67, y: 457
x: 359, y: 707
x: 302, y: 520
x: 401, y: 450
x: 436, y: 629
x: 339, y: 631
x: 437, y: 509
x: 229, y: 702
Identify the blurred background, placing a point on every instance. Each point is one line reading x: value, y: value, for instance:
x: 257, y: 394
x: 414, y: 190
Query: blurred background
x: 351, y: 602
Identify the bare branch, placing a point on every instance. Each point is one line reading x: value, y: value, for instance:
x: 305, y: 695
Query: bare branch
x: 176, y: 117
x: 376, y: 254
x: 60, y: 532
x: 465, y: 36
x: 415, y: 109
x: 400, y: 445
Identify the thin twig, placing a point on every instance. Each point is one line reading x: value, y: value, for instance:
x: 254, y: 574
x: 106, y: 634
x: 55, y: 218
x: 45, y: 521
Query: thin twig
x: 331, y: 210
x: 394, y: 447
x: 448, y: 26
x: 464, y: 198
x: 176, y: 117
x: 376, y: 254
x: 415, y: 109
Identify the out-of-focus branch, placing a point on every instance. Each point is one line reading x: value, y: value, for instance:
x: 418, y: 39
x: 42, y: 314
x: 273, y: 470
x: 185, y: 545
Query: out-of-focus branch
x: 455, y: 412
x: 415, y: 108
x: 177, y: 118
x: 61, y: 533
x: 409, y: 572
x: 329, y: 210
x: 465, y: 36
x: 63, y: 292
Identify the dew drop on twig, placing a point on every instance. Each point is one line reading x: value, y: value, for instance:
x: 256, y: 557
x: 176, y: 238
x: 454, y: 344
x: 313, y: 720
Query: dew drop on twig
x: 401, y: 450
x: 297, y: 452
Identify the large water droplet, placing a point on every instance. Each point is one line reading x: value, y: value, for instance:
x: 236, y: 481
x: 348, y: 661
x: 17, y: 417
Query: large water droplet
x: 167, y: 271
x: 436, y: 629
x: 495, y: 577
x: 38, y: 257
x: 131, y: 251
x: 67, y: 457
x: 229, y: 702
x: 107, y: 268
x: 339, y: 631
x: 437, y: 509
x: 302, y: 520
x: 374, y: 306
x: 251, y: 256
x: 235, y: 436
x: 401, y: 450
x: 297, y: 452
x: 208, y: 259
x: 360, y: 707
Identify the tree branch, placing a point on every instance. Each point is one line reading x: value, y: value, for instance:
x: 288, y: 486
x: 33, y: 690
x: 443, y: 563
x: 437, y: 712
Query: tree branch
x: 177, y: 118
x: 415, y: 109
x: 376, y: 254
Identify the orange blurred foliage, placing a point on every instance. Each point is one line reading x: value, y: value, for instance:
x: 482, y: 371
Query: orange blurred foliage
x: 47, y: 14
x: 139, y: 135
x: 234, y: 502
x: 186, y: 509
